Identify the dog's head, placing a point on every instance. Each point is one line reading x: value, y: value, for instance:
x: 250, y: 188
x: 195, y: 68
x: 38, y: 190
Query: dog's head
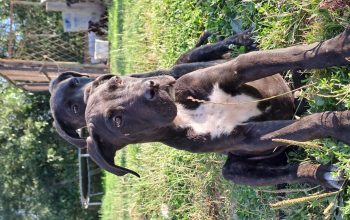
x: 67, y: 105
x: 126, y: 110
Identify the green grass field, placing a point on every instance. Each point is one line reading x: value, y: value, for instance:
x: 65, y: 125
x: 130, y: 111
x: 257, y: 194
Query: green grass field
x: 150, y: 34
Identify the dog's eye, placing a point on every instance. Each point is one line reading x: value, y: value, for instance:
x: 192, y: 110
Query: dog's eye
x: 117, y: 121
x: 75, y: 109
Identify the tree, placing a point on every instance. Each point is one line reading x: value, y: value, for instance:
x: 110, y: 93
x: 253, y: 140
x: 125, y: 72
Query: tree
x: 39, y: 172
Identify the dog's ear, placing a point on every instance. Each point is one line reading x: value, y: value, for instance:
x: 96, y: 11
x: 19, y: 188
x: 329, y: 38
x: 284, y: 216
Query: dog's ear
x: 105, y: 161
x: 87, y: 92
x: 63, y: 76
x: 69, y: 135
x: 68, y: 74
x: 90, y: 88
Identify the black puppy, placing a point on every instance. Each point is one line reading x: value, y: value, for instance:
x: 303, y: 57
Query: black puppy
x: 219, y: 109
x: 67, y: 91
x: 67, y: 105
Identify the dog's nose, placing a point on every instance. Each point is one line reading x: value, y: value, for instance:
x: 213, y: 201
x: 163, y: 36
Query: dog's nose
x: 151, y: 90
x: 153, y: 84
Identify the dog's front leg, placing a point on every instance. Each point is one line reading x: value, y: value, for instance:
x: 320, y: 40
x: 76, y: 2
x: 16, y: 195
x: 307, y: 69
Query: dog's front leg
x: 264, y: 173
x: 254, y: 138
x: 255, y: 65
x: 216, y: 50
x: 258, y: 136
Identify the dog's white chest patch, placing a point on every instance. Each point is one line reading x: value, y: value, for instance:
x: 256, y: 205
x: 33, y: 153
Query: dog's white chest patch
x: 217, y: 119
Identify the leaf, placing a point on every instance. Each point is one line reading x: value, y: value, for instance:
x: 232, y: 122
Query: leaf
x: 319, y: 101
x: 236, y: 25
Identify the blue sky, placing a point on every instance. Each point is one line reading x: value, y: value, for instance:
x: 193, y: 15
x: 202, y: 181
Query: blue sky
x: 6, y: 23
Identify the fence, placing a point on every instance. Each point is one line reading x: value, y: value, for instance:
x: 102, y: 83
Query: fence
x: 89, y: 181
x: 34, y: 48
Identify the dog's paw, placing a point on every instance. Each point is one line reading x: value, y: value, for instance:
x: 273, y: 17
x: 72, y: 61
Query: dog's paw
x: 337, y: 124
x: 332, y: 178
x: 343, y: 127
x: 244, y: 38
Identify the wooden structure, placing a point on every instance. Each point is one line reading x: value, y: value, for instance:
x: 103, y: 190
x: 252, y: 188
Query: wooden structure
x: 35, y: 76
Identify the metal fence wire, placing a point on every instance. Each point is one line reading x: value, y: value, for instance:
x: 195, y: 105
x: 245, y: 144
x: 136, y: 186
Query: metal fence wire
x: 37, y: 34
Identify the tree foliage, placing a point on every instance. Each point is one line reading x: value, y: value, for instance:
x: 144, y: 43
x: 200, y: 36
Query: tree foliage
x: 39, y: 172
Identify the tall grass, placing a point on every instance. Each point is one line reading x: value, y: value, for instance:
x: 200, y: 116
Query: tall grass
x: 151, y: 34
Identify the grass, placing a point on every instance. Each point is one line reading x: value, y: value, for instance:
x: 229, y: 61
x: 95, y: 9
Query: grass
x: 150, y: 34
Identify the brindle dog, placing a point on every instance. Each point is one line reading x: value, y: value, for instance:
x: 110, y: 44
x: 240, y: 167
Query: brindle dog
x: 67, y: 91
x: 126, y: 110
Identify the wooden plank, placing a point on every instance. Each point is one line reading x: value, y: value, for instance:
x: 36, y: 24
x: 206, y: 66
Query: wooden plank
x: 28, y: 78
x: 33, y: 84
x: 33, y: 75
x: 73, y: 66
x: 36, y: 88
x: 19, y: 71
x: 23, y: 72
x: 28, y: 74
x: 26, y: 3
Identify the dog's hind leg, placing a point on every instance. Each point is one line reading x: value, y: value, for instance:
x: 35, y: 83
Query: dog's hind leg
x: 178, y: 70
x: 203, y: 39
x: 201, y: 56
x: 216, y: 50
x: 255, y: 173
